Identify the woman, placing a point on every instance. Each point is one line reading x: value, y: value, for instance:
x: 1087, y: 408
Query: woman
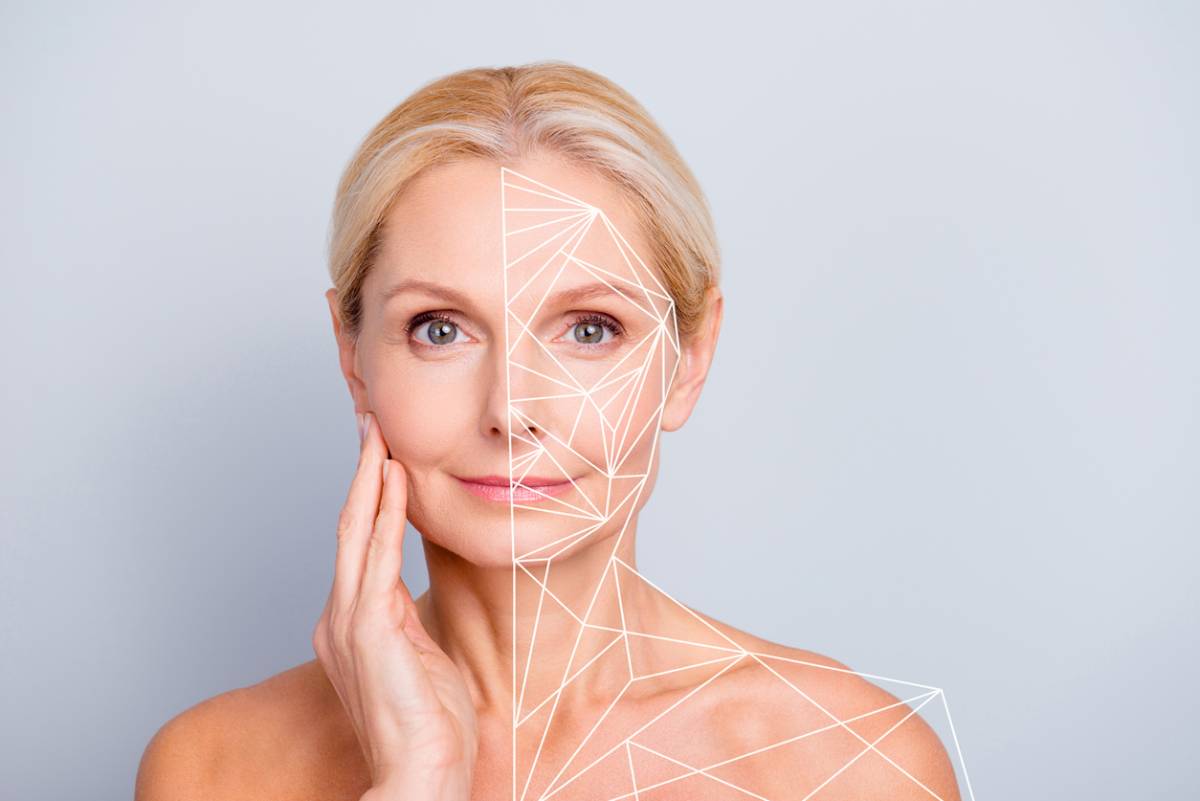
x: 525, y: 294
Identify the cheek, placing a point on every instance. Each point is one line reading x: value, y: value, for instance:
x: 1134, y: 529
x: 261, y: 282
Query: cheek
x: 618, y: 426
x: 641, y: 418
x: 422, y: 412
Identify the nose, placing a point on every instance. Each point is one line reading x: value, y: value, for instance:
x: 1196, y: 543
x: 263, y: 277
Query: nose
x: 504, y: 379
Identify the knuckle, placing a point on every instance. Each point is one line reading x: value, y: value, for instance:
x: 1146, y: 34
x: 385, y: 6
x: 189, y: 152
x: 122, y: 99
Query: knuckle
x: 319, y: 644
x: 323, y: 647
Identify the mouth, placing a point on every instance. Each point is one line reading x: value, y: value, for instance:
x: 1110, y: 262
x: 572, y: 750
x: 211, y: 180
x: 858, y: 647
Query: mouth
x: 501, y: 489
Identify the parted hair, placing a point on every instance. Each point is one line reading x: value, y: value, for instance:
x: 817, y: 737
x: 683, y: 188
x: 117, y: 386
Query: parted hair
x: 504, y: 113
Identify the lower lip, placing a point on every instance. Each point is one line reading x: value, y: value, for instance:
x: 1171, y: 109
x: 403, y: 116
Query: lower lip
x: 521, y: 494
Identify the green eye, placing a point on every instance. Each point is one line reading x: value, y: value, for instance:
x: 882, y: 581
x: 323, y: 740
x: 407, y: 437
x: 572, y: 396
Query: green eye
x: 589, y: 333
x: 441, y: 331
x: 589, y: 329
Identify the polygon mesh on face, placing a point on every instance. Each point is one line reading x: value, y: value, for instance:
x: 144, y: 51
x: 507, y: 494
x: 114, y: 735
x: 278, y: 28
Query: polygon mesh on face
x: 801, y: 729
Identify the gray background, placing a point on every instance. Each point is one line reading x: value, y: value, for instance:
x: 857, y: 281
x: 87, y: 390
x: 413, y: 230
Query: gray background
x: 952, y: 417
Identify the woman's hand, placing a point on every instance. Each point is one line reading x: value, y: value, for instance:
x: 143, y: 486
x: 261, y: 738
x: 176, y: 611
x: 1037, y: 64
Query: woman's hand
x: 410, y: 708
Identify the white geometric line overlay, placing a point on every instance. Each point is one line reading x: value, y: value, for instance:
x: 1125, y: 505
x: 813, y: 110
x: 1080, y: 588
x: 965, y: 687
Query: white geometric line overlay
x: 588, y: 415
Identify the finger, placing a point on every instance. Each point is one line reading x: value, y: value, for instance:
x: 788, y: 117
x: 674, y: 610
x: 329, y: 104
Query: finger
x: 385, y: 548
x: 357, y: 519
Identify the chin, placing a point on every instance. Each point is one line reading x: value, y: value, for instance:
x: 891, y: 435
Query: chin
x: 486, y: 540
x: 484, y: 543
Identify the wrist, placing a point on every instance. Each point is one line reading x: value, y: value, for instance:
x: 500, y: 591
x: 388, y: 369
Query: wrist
x: 434, y: 784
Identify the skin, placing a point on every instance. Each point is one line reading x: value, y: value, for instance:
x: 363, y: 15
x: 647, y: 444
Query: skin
x: 408, y: 695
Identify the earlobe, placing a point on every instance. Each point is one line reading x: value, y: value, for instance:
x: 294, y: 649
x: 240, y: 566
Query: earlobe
x: 686, y: 387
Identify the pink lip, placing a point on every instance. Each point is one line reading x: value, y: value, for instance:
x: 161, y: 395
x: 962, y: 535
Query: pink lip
x: 498, y: 488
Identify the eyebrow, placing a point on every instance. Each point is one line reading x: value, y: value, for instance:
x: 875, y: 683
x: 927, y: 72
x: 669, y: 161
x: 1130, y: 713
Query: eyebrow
x: 425, y: 287
x: 577, y: 294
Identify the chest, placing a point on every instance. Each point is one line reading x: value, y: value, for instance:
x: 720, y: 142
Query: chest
x: 586, y: 764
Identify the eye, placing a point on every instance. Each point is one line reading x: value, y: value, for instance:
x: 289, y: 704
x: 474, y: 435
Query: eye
x: 588, y: 329
x: 441, y: 329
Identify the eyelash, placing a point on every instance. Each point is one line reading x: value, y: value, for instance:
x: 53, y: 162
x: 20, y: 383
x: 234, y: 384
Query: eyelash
x: 425, y: 317
x: 599, y: 319
x: 602, y: 320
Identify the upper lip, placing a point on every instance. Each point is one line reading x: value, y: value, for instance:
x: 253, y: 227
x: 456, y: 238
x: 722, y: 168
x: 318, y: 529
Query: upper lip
x: 505, y: 481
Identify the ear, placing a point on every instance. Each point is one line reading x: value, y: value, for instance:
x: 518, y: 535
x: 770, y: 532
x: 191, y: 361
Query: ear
x: 694, y: 360
x: 347, y: 355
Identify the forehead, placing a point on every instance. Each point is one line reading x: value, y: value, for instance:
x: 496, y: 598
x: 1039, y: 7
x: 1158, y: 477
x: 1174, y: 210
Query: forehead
x: 448, y: 226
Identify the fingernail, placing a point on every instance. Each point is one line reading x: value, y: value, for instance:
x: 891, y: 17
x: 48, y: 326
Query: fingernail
x: 361, y: 430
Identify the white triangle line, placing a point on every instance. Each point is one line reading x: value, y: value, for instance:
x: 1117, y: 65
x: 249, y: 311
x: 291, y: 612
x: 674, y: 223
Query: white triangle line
x: 558, y: 192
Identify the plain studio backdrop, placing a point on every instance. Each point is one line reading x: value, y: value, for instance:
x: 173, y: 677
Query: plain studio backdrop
x: 950, y: 434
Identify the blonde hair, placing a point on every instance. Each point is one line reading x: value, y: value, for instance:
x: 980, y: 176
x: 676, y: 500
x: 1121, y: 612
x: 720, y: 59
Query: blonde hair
x: 502, y: 114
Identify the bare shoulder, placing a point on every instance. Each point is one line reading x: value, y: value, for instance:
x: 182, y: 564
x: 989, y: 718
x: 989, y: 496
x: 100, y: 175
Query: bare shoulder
x: 860, y: 739
x: 284, y: 737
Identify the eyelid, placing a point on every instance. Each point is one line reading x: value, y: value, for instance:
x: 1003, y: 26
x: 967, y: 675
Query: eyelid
x: 424, y: 317
x: 607, y: 321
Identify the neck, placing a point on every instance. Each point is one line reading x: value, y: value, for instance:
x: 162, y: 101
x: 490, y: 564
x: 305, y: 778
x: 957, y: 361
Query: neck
x: 468, y: 611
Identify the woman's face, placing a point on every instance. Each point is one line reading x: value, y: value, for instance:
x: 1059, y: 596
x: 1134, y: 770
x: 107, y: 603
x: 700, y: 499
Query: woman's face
x: 463, y: 361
